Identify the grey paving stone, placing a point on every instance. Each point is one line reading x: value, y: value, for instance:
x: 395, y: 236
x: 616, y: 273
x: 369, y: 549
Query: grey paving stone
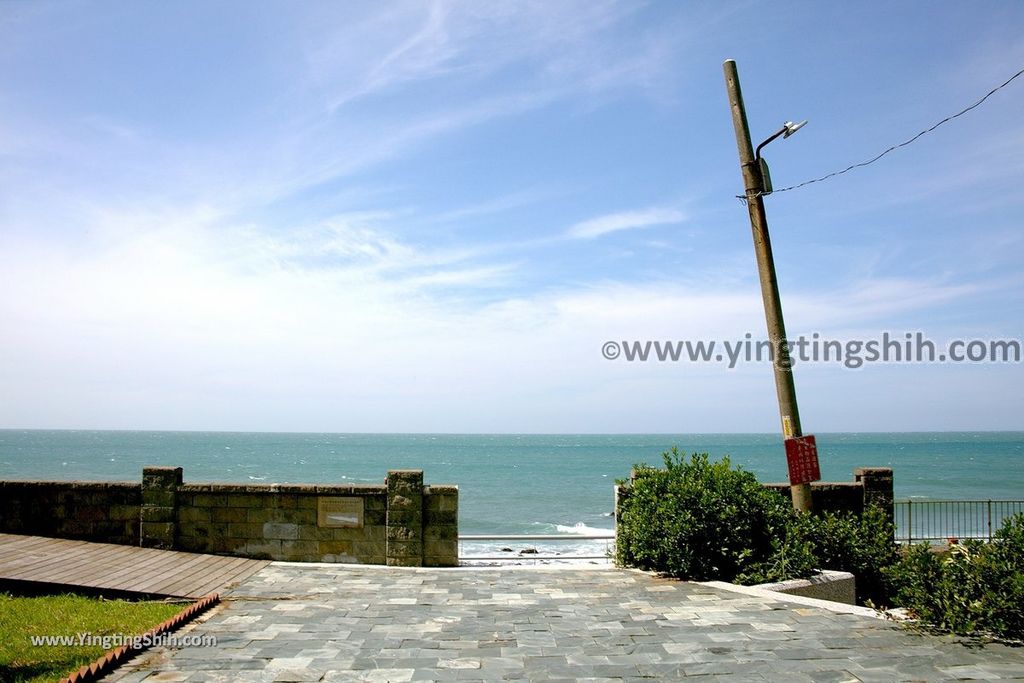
x: 135, y: 676
x: 831, y: 676
x: 295, y: 623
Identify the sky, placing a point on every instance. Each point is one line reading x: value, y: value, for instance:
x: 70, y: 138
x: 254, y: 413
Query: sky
x: 431, y: 216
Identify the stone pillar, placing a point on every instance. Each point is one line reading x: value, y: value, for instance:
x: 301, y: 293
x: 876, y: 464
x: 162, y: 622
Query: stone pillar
x: 441, y: 527
x: 622, y: 493
x: 405, y: 518
x: 878, y: 487
x: 159, y: 512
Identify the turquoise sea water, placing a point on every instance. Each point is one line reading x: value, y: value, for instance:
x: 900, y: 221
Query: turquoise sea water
x: 513, y: 484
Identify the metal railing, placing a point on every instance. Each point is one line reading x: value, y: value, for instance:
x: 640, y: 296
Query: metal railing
x: 942, y: 520
x: 915, y: 520
x: 535, y: 538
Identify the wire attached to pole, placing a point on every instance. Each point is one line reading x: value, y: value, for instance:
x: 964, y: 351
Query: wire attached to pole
x: 991, y: 92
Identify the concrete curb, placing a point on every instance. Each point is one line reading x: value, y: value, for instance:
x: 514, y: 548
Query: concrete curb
x: 837, y: 607
x: 114, y: 658
x: 827, y: 584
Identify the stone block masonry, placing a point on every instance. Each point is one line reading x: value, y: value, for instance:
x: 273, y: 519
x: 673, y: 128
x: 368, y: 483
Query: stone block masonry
x: 440, y: 525
x: 400, y: 523
x: 871, y: 487
x: 877, y: 484
x: 105, y: 512
x: 158, y: 516
x: 283, y: 522
x: 405, y: 518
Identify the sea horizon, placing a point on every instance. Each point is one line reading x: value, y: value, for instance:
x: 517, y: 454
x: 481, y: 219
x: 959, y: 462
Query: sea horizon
x: 487, y: 433
x: 513, y: 483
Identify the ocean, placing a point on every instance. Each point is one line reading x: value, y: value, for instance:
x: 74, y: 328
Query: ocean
x: 514, y: 483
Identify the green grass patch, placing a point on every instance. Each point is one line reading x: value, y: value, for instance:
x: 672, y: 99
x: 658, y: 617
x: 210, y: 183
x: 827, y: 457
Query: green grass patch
x: 21, y: 618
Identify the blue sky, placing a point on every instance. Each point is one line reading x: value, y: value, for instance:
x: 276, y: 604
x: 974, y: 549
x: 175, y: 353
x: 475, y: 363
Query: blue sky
x: 429, y: 216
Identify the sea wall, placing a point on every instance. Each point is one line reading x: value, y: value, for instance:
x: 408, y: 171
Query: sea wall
x: 401, y: 522
x: 107, y: 512
x: 871, y: 486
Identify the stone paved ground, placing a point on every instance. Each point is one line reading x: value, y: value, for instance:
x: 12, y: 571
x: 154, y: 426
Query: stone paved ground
x: 312, y: 623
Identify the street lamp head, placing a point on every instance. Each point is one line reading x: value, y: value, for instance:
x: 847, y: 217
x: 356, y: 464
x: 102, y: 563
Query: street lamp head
x: 788, y: 128
x: 791, y: 127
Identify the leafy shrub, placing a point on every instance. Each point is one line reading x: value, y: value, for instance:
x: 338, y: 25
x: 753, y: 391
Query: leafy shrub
x: 793, y: 553
x: 1005, y: 578
x: 700, y: 520
x: 977, y: 588
x: 704, y: 520
x: 863, y: 545
x: 913, y: 579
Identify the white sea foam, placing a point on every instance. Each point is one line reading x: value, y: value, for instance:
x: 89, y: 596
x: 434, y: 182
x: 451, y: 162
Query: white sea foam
x: 580, y: 529
x: 513, y: 550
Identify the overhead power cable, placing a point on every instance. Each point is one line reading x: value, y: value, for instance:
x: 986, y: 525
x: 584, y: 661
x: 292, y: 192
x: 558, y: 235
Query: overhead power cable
x: 872, y: 160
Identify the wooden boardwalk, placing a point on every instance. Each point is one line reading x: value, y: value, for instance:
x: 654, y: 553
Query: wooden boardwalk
x: 119, y: 568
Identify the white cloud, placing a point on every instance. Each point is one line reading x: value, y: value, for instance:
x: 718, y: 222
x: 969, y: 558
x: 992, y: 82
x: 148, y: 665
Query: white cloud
x: 244, y: 295
x: 629, y: 220
x: 558, y: 52
x: 559, y: 44
x: 497, y: 205
x: 167, y: 321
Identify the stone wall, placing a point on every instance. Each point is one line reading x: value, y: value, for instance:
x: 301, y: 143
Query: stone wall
x: 870, y: 486
x: 878, y: 487
x: 401, y: 522
x: 87, y: 511
x: 281, y: 522
x: 440, y: 526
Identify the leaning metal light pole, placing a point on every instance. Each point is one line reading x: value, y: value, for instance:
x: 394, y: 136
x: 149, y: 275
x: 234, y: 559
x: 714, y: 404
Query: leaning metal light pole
x: 754, y: 185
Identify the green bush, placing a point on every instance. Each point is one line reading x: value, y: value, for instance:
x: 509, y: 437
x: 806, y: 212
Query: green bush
x: 792, y: 553
x: 700, y: 520
x: 913, y: 577
x: 976, y: 588
x: 703, y: 520
x: 1005, y: 576
x: 863, y: 545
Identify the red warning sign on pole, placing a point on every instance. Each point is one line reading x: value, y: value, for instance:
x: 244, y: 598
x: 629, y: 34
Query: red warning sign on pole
x: 802, y: 458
